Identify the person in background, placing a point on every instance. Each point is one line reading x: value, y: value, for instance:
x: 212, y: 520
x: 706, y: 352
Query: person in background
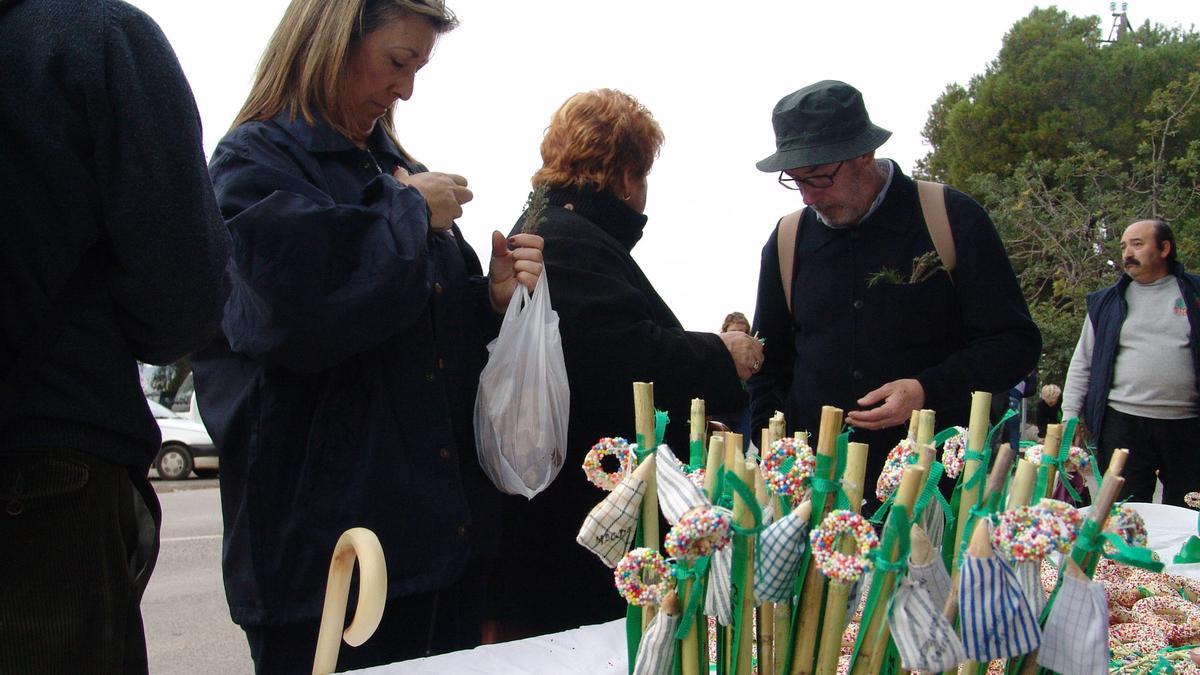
x: 739, y: 421
x: 112, y: 251
x: 341, y: 389
x: 596, y: 156
x: 1049, y: 408
x: 876, y: 325
x: 1133, y: 380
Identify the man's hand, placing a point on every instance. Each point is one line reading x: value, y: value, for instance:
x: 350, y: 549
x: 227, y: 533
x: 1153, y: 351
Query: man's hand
x: 746, y: 352
x: 520, y: 265
x: 445, y: 193
x: 899, y: 399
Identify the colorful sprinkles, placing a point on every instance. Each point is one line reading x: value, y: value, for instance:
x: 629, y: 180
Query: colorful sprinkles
x: 699, y: 532
x: 841, y: 567
x: 617, y: 447
x: 643, y: 577
x: 792, y: 482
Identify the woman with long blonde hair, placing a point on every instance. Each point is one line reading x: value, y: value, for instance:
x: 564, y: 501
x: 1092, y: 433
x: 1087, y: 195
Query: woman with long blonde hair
x: 340, y: 393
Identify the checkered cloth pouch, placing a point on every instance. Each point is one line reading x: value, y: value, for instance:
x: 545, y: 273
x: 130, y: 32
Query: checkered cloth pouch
x: 996, y: 621
x: 656, y: 651
x: 608, y: 528
x: 677, y: 494
x: 1029, y: 575
x: 925, y: 639
x: 1075, y: 641
x: 933, y: 579
x: 717, y: 602
x: 780, y: 549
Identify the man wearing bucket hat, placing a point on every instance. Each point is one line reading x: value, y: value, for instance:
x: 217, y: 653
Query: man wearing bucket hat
x: 878, y: 305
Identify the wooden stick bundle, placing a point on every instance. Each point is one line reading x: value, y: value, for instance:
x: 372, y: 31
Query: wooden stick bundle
x: 873, y: 632
x: 838, y: 597
x: 812, y: 596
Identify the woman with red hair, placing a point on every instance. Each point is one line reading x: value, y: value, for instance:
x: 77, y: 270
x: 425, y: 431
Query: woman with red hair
x: 596, y: 154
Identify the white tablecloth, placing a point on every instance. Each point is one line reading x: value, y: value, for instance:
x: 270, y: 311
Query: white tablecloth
x: 601, y: 649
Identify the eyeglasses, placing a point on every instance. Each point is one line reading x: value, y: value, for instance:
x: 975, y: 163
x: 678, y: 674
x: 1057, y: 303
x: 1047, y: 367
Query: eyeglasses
x: 818, y: 181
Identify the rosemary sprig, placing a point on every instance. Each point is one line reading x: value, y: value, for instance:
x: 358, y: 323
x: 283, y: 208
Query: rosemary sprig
x: 887, y: 275
x: 534, y: 206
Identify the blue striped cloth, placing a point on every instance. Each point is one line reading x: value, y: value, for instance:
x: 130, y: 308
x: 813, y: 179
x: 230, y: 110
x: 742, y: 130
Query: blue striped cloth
x: 656, y: 651
x: 924, y: 638
x: 677, y: 494
x: 995, y: 619
x: 718, y: 601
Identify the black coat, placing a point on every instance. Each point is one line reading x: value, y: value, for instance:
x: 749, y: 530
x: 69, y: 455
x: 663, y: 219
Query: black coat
x: 848, y: 336
x: 615, y: 330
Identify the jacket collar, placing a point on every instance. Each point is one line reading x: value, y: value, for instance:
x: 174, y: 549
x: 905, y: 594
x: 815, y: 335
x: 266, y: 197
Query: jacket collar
x: 321, y: 137
x: 604, y: 210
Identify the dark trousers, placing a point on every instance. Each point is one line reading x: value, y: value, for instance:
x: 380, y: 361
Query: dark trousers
x: 413, y: 627
x: 1168, y: 450
x: 78, y: 541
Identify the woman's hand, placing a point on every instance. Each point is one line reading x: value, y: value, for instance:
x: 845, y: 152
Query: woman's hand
x: 445, y: 193
x: 522, y: 264
x: 747, y: 352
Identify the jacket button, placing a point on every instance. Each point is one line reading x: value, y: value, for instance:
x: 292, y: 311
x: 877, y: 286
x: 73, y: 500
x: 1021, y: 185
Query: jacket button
x: 430, y: 377
x: 857, y: 374
x: 857, y: 304
x: 444, y: 453
x: 437, y: 288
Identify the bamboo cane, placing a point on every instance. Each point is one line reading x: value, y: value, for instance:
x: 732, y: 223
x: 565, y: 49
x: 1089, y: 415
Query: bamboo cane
x: 812, y: 596
x: 361, y: 545
x: 914, y: 422
x: 981, y: 402
x: 921, y: 549
x: 1050, y: 449
x: 696, y: 429
x: 781, y: 611
x: 716, y: 457
x: 643, y: 407
x: 838, y: 597
x: 926, y: 427
x: 690, y: 645
x: 1021, y: 489
x: 735, y: 462
x: 995, y: 483
x: 874, y: 633
x: 765, y: 613
x: 1116, y: 463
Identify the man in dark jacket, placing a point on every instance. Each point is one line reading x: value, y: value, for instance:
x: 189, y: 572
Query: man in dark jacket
x: 111, y: 251
x: 873, y: 326
x: 1133, y: 378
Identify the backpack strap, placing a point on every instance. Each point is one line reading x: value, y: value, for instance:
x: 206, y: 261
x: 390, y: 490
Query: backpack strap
x: 785, y: 241
x: 933, y: 208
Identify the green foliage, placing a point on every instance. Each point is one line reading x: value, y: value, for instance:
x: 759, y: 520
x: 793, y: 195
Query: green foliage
x: 1053, y: 84
x: 1066, y: 140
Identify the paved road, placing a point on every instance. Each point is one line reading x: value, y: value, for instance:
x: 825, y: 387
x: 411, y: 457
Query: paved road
x: 188, y: 629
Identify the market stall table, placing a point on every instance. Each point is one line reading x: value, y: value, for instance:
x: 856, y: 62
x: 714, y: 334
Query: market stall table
x: 600, y: 649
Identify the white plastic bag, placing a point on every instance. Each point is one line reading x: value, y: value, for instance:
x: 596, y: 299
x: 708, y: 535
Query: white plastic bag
x: 524, y: 401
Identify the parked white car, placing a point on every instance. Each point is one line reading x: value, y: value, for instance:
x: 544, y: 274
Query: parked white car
x: 186, y: 445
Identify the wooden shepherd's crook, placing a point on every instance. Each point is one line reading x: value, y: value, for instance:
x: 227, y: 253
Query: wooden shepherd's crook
x: 359, y: 544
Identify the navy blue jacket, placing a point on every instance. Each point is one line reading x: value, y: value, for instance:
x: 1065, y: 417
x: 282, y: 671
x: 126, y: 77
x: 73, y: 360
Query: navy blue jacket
x: 341, y: 391
x: 100, y: 156
x: 847, y: 336
x: 1107, y: 310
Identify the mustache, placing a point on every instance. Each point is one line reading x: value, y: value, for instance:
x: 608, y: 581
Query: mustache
x: 1132, y: 262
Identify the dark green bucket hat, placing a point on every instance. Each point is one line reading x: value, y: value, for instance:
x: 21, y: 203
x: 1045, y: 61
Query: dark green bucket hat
x: 822, y: 123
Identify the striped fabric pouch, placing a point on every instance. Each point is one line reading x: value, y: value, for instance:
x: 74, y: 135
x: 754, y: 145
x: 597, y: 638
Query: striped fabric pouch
x: 717, y: 602
x: 1029, y: 575
x: 677, y: 494
x: 925, y: 639
x: 995, y: 619
x: 931, y: 578
x: 1076, y: 637
x: 780, y: 550
x: 608, y: 528
x: 656, y: 651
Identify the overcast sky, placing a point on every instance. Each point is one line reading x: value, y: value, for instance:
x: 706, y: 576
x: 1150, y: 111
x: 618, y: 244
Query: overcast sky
x: 709, y: 72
